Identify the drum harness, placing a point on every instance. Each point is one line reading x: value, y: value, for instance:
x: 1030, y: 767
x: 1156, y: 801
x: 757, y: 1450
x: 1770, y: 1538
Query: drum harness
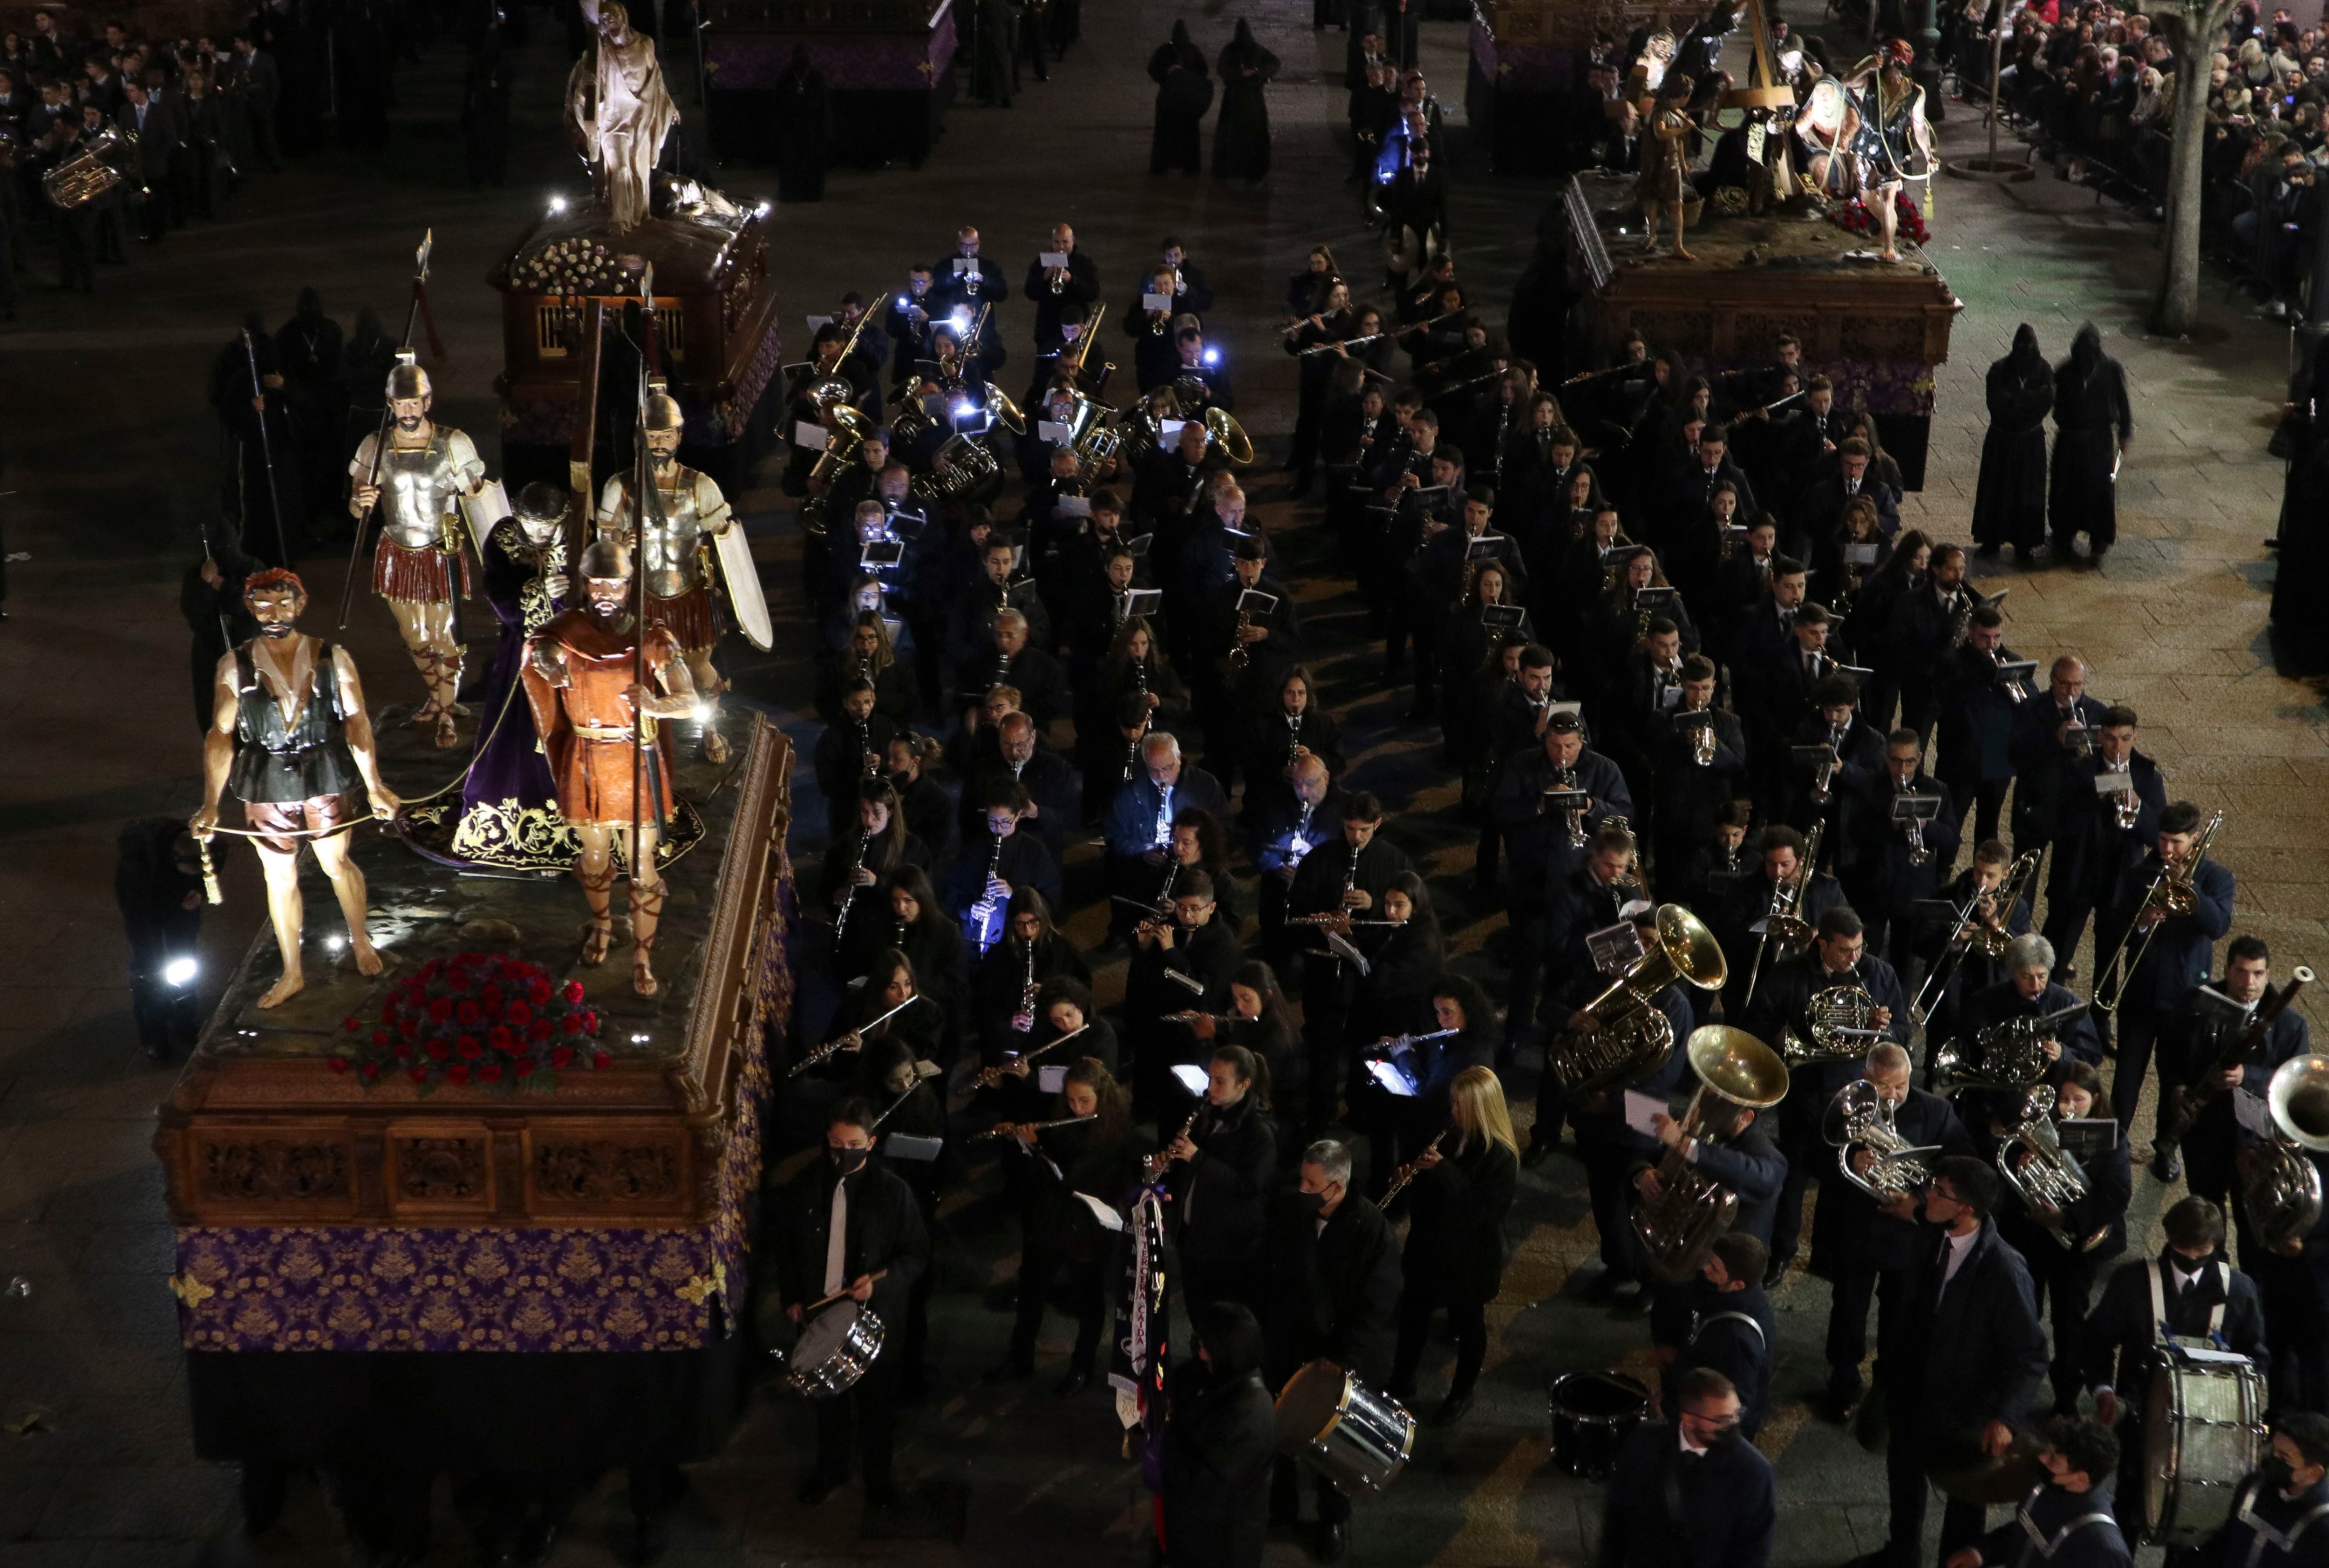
x: 2265, y: 1534
x: 2046, y: 1546
x: 2215, y: 1315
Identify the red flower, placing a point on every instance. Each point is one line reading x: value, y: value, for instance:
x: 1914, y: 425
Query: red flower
x: 417, y: 1074
x: 380, y: 1037
x: 524, y: 1067
x: 537, y: 992
x: 519, y: 1012
x: 573, y: 994
x: 410, y: 1028
x: 500, y: 1039
x: 589, y: 1023
x: 561, y: 1054
x: 437, y: 1050
x: 349, y: 1023
x: 601, y: 1059
x: 402, y: 1053
x: 573, y: 1023
x: 490, y: 997
x: 440, y: 1010
x: 457, y: 1073
x: 491, y: 1073
x: 371, y: 1070
x: 512, y: 971
x: 466, y: 1011
x: 469, y: 1047
x: 462, y: 980
x: 338, y: 1064
x: 538, y: 1030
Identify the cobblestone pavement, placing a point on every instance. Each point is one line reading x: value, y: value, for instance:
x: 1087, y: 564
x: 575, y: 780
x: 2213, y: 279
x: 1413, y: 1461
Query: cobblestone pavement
x: 114, y: 462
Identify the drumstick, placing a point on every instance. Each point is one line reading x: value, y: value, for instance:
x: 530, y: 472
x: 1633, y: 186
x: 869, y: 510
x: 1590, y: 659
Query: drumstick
x: 829, y: 1300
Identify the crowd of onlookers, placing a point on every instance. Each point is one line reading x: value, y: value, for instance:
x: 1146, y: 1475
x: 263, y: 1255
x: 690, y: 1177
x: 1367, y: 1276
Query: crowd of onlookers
x: 2097, y: 89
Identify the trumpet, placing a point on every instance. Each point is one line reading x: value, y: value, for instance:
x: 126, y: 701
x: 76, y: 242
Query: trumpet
x: 2014, y: 692
x: 1861, y: 1119
x: 850, y: 1041
x: 1005, y: 1129
x: 2171, y: 893
x: 2045, y: 1175
x: 1565, y: 779
x: 1408, y: 1172
x: 1702, y: 739
x: 1918, y: 855
x: 1824, y: 775
x: 988, y: 1077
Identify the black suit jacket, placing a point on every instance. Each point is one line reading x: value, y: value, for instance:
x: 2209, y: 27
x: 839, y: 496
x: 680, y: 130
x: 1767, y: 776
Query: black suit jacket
x: 1862, y: 1235
x: 882, y: 1227
x: 1663, y: 1508
x: 2092, y: 853
x: 2041, y: 765
x: 1971, y: 1354
x: 1333, y: 1289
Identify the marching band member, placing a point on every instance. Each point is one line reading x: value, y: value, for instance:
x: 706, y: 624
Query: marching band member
x: 1335, y: 1284
x: 1007, y: 985
x: 845, y: 1227
x: 1342, y: 882
x: 2065, y: 1244
x: 1456, y: 1251
x: 2194, y: 1045
x: 2277, y: 1512
x: 2067, y: 1520
x: 1966, y: 1362
x: 1732, y: 1330
x: 2104, y: 829
x: 1223, y: 1170
x: 1691, y: 1490
x: 1868, y: 1245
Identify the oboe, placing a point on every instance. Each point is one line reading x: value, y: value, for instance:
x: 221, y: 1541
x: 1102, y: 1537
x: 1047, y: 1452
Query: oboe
x: 1027, y: 997
x: 1408, y: 1172
x: 841, y: 922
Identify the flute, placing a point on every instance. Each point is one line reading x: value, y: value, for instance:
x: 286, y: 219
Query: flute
x: 847, y: 1042
x: 1004, y: 1129
x: 990, y: 1076
x: 1154, y: 1164
x: 1408, y: 1172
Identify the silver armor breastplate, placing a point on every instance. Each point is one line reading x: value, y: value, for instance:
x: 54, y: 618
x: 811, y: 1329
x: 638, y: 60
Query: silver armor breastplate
x: 419, y: 488
x: 673, y: 563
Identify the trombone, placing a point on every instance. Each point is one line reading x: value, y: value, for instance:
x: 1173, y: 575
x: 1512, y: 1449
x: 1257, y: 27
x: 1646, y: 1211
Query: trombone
x: 2171, y: 893
x: 1990, y: 938
x: 1784, y: 919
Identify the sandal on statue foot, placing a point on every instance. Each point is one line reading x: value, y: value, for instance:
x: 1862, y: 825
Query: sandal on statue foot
x: 448, y: 735
x: 715, y: 747
x: 597, y: 938
x: 643, y: 979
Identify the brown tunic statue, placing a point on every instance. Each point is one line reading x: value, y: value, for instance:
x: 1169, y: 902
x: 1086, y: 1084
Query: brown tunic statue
x: 580, y: 683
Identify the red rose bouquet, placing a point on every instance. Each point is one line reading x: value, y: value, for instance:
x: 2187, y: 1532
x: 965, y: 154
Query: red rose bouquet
x: 1855, y: 217
x: 476, y: 1017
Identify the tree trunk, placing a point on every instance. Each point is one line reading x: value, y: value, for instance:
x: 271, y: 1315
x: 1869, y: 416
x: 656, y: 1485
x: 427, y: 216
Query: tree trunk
x: 2179, y: 287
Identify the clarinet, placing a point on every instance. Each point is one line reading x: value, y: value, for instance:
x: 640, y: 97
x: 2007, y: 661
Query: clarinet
x: 1155, y: 1164
x: 1293, y: 738
x: 841, y: 922
x: 1408, y: 1172
x: 1027, y: 997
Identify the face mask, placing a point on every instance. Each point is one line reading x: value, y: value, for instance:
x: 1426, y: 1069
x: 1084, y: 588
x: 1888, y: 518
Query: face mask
x: 849, y: 1160
x: 1315, y: 1202
x: 1723, y: 1441
x: 2279, y: 1471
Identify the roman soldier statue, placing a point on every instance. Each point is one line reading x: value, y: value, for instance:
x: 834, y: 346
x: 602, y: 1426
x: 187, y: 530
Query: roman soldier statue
x: 289, y: 735
x: 600, y: 727
x: 691, y: 523
x: 428, y: 475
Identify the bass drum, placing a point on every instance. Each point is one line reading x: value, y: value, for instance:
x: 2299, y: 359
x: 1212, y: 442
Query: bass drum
x: 1356, y: 1438
x: 2203, y: 1432
x: 1592, y: 1412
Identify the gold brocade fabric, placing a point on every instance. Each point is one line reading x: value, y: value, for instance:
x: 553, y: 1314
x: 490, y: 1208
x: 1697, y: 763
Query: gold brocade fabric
x: 514, y: 838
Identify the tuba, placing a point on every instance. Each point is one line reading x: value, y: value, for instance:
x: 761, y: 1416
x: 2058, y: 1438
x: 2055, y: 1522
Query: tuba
x: 1837, y: 1020
x: 1633, y: 1037
x: 2003, y: 1057
x: 1860, y: 1118
x: 1229, y: 435
x: 2282, y: 1186
x: 2043, y: 1175
x: 93, y: 171
x: 849, y: 431
x: 1678, y: 1227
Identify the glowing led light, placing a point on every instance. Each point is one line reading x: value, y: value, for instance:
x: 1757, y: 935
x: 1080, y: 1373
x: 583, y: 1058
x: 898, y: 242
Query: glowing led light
x: 1212, y: 356
x: 557, y: 205
x: 179, y: 971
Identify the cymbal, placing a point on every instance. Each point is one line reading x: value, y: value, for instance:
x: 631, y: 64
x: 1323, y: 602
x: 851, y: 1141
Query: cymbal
x: 1957, y: 1465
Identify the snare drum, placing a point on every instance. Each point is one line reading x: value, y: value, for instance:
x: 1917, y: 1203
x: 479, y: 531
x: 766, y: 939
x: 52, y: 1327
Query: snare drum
x: 1592, y: 1412
x: 834, y: 1348
x: 1354, y: 1437
x: 2202, y: 1433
